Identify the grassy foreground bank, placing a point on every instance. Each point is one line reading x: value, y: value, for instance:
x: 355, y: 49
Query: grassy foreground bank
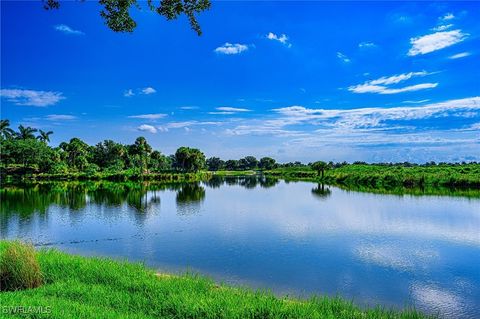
x: 79, y: 287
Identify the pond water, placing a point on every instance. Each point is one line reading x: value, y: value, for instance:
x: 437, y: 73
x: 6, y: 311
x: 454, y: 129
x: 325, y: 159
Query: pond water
x: 296, y: 238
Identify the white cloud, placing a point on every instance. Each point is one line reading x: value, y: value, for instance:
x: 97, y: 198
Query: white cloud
x: 380, y: 85
x: 283, y: 38
x: 60, y: 117
x: 185, y: 124
x: 148, y: 90
x: 147, y: 128
x: 67, y: 30
x: 229, y: 48
x: 366, y: 88
x: 360, y: 126
x: 154, y: 116
x: 394, y: 79
x: 443, y: 27
x: 364, y: 45
x: 231, y: 109
x: 189, y: 107
x: 435, y: 41
x: 374, y: 117
x: 460, y: 55
x: 416, y: 102
x: 448, y: 16
x: 31, y: 97
x: 128, y: 93
x: 343, y: 57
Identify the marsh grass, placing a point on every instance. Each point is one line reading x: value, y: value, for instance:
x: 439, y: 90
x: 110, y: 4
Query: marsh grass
x: 103, y: 288
x: 19, y: 268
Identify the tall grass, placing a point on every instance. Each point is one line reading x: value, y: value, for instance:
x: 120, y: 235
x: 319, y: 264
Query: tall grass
x: 19, y: 268
x: 102, y: 288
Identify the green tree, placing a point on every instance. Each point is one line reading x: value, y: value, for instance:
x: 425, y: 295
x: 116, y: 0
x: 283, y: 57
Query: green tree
x: 267, y: 163
x: 320, y: 167
x: 5, y: 130
x: 231, y: 165
x: 44, y: 136
x: 189, y: 159
x: 77, y: 153
x: 215, y: 164
x: 140, y: 152
x: 25, y: 133
x: 116, y: 13
x: 109, y: 154
x: 251, y: 162
x: 159, y: 162
x: 30, y: 153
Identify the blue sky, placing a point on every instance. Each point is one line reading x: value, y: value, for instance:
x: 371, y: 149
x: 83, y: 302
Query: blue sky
x: 378, y: 81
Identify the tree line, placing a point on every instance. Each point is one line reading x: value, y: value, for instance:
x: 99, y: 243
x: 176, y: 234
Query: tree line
x: 27, y: 149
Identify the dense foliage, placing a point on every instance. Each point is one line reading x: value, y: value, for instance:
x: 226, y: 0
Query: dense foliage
x: 103, y: 288
x: 26, y: 151
x: 23, y: 152
x: 116, y: 13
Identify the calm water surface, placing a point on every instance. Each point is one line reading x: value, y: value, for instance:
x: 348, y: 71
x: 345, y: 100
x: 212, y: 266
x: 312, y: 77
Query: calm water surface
x: 293, y: 238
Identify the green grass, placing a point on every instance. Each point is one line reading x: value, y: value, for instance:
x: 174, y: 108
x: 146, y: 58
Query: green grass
x: 234, y: 173
x: 79, y: 287
x: 122, y: 176
x: 380, y: 176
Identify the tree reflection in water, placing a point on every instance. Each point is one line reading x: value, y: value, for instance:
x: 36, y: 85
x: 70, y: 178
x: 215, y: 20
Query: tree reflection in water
x: 321, y: 191
x: 189, y: 199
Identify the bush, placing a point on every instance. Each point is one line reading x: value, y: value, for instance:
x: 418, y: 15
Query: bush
x: 19, y: 268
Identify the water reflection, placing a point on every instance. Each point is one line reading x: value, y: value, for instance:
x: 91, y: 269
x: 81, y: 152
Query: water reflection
x: 321, y: 191
x: 189, y: 199
x: 269, y: 234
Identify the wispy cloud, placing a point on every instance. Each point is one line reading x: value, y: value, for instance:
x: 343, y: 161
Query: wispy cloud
x: 415, y: 102
x: 145, y: 91
x: 435, y: 41
x: 460, y: 55
x: 283, y: 38
x: 447, y: 17
x: 364, y: 45
x: 185, y: 125
x: 31, y: 97
x: 359, y: 126
x: 67, y: 30
x: 381, y: 85
x: 230, y: 48
x: 147, y: 128
x: 443, y: 27
x: 232, y: 109
x: 189, y: 107
x: 60, y: 117
x: 154, y: 116
x: 148, y: 90
x: 226, y: 110
x: 343, y: 57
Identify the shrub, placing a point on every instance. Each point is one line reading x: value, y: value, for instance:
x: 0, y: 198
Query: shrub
x: 19, y: 268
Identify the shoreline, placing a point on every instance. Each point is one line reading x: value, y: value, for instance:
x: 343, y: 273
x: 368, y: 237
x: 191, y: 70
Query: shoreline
x: 102, y: 287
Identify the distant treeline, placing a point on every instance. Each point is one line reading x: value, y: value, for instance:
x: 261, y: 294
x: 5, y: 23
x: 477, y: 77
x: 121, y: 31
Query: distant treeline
x: 26, y: 151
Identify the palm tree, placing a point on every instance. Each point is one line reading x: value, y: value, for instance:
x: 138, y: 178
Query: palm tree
x: 5, y: 130
x: 320, y: 167
x: 44, y: 136
x: 25, y: 133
